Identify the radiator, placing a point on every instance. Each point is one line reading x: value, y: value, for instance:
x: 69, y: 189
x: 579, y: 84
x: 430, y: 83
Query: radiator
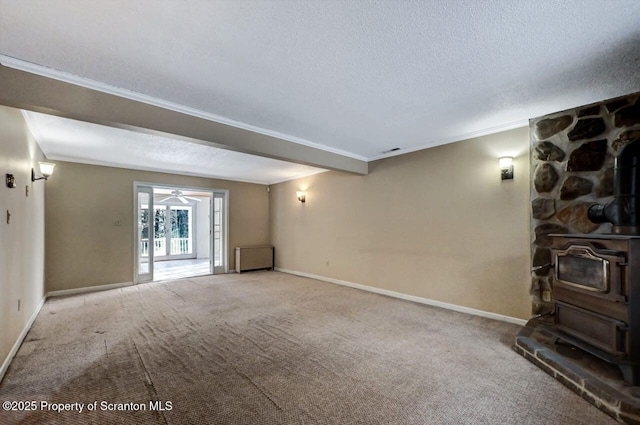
x: 254, y: 258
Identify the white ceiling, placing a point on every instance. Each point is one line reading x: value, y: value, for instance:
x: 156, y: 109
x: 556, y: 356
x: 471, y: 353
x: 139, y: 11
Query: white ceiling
x: 357, y: 77
x: 77, y: 141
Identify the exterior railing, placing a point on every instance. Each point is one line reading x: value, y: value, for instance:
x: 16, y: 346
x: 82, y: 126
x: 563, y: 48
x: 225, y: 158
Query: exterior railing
x: 144, y: 248
x: 179, y: 246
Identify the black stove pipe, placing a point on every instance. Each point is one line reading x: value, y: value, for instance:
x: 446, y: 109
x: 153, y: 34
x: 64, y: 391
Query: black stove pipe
x: 624, y: 210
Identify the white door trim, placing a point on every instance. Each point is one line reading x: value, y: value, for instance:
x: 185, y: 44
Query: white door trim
x: 137, y: 189
x: 225, y: 219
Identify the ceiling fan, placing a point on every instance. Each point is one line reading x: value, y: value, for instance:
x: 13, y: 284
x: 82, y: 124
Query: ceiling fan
x: 177, y: 194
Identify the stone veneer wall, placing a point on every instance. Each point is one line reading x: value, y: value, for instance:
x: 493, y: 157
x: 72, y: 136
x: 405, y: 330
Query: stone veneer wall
x: 572, y: 159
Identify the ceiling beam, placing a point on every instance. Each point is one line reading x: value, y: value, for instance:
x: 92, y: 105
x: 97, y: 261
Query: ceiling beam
x: 25, y: 90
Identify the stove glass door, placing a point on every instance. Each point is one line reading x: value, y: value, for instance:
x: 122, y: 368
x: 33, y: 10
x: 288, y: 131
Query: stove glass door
x: 579, y: 266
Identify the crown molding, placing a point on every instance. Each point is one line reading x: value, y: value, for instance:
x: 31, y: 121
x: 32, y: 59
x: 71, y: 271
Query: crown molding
x: 44, y: 71
x: 21, y: 65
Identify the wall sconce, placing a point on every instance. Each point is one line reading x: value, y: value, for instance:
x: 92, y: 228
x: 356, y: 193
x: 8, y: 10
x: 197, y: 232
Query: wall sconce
x: 46, y: 169
x: 506, y: 167
x: 10, y: 181
x: 301, y: 196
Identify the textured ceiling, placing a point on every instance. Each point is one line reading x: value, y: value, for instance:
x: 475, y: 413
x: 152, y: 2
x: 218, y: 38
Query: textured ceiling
x: 77, y: 141
x: 358, y: 76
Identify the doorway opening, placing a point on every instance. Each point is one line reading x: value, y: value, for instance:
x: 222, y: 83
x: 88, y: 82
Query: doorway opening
x: 180, y: 232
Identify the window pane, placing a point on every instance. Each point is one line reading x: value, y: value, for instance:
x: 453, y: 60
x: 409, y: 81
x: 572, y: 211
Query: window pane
x: 160, y: 223
x: 143, y: 233
x: 181, y: 230
x: 160, y: 228
x: 217, y: 232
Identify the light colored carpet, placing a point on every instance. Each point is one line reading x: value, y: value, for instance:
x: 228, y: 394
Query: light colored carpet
x: 271, y: 348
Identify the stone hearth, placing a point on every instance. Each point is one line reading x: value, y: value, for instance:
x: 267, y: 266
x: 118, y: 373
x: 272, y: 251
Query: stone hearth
x: 596, y: 381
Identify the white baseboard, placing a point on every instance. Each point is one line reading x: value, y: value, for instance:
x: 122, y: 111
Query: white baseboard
x: 86, y: 289
x: 21, y: 337
x: 413, y: 298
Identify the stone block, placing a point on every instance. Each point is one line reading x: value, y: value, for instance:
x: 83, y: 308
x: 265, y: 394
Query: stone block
x: 545, y: 178
x: 547, y: 151
x: 569, y: 384
x: 630, y: 406
x: 616, y: 104
x: 591, y: 110
x: 543, y: 231
x: 587, y: 128
x: 588, y: 157
x: 624, y: 138
x: 542, y: 257
x: 628, y: 116
x: 574, y: 187
x: 543, y: 208
x: 575, y: 216
x: 628, y: 419
x: 551, y: 126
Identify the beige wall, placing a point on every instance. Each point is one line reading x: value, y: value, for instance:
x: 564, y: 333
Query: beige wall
x: 22, y: 240
x: 84, y: 248
x: 438, y: 224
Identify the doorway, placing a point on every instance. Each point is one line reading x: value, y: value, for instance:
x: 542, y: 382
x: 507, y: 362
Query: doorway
x: 180, y: 232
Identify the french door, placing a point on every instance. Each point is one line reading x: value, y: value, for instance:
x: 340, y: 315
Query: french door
x: 145, y: 236
x: 218, y: 231
x: 168, y: 231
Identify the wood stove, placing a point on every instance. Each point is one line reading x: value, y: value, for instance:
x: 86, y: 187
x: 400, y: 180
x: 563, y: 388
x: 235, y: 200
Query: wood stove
x: 596, y: 290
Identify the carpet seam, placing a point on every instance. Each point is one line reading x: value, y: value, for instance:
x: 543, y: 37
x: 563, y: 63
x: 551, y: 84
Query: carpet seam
x: 148, y: 377
x: 263, y: 392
